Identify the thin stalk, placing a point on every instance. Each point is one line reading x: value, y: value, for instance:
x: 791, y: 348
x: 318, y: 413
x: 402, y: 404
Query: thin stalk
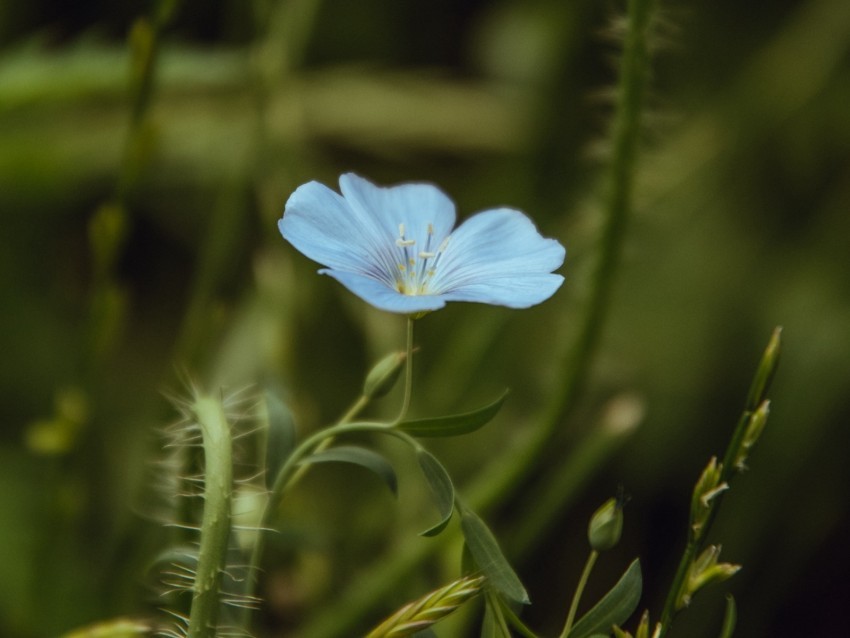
x: 408, y: 373
x: 698, y: 535
x: 582, y: 583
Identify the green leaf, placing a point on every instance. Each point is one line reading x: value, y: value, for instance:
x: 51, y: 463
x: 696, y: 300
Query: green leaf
x: 455, y: 424
x: 488, y: 625
x: 358, y: 456
x: 425, y: 633
x: 615, y: 607
x: 488, y: 556
x: 441, y: 486
x: 730, y: 618
x: 494, y: 625
x: 280, y: 436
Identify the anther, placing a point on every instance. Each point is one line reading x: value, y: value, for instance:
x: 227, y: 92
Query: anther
x: 401, y: 243
x: 426, y: 255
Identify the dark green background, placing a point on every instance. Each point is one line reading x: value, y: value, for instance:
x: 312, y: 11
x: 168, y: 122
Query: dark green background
x: 741, y: 224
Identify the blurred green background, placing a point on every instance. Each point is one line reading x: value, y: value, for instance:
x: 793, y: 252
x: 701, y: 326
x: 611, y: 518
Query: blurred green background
x: 138, y: 243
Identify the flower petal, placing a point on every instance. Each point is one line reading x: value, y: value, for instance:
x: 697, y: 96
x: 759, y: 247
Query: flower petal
x: 496, y: 244
x: 383, y: 297
x: 416, y: 205
x: 521, y: 291
x: 323, y: 226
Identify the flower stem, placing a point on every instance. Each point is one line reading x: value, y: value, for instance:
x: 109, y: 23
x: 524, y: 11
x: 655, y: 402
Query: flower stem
x: 408, y: 372
x: 588, y: 567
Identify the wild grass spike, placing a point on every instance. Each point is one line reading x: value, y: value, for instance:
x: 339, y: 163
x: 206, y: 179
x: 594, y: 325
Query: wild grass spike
x: 429, y: 609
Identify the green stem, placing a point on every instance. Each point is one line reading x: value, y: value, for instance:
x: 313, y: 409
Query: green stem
x: 697, y: 536
x: 408, y: 373
x: 215, y: 526
x: 670, y: 603
x: 582, y: 583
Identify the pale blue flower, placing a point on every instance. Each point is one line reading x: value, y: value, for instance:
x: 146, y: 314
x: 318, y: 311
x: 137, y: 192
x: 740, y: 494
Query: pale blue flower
x: 397, y: 247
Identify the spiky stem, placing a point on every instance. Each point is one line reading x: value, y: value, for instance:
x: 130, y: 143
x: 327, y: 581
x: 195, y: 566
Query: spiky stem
x: 215, y: 526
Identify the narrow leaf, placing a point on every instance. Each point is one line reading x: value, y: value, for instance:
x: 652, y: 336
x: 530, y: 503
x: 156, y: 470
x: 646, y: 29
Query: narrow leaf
x: 488, y: 625
x: 455, y: 424
x: 615, y: 607
x: 280, y: 436
x: 441, y: 487
x: 488, y: 556
x: 730, y: 618
x: 358, y: 456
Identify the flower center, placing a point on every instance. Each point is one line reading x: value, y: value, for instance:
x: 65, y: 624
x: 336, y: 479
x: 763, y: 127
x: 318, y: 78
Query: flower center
x: 417, y: 266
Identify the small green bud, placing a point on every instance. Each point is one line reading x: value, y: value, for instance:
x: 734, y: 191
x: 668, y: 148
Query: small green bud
x: 606, y: 525
x: 766, y: 370
x: 383, y: 376
x: 643, y: 627
x: 707, y: 488
x: 755, y: 426
x: 703, y: 571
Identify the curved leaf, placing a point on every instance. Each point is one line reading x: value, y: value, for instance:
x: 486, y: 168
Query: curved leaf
x: 280, y: 436
x: 454, y: 424
x: 361, y: 456
x: 488, y: 557
x: 615, y: 607
x: 441, y: 486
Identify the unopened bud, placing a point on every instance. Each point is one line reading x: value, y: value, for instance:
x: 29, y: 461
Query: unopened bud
x: 704, y: 571
x: 383, y: 375
x: 707, y: 488
x: 766, y: 370
x: 755, y: 427
x: 606, y: 525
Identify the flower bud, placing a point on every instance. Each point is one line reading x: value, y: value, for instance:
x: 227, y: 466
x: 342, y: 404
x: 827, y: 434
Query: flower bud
x: 707, y: 488
x: 383, y: 376
x: 606, y: 525
x: 766, y: 370
x: 703, y: 571
x: 755, y: 426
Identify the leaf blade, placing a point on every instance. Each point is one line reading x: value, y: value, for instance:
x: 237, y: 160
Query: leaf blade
x: 489, y: 558
x: 615, y: 607
x: 442, y: 489
x: 455, y: 424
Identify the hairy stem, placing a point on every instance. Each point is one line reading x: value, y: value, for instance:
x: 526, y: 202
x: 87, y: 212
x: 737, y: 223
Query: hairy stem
x: 215, y: 526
